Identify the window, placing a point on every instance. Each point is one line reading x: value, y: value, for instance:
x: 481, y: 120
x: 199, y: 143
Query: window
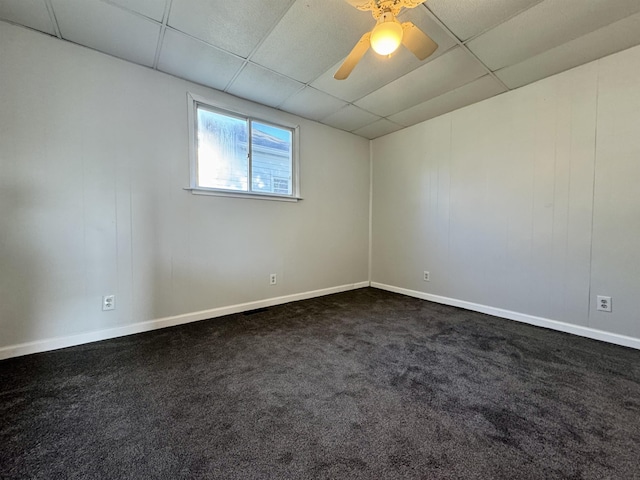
x: 238, y: 155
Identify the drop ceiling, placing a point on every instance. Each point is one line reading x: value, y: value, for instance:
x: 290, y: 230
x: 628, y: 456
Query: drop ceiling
x: 283, y: 53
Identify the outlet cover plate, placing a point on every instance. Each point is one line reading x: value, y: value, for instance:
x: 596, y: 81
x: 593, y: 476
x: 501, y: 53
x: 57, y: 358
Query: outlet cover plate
x: 604, y: 303
x: 109, y: 302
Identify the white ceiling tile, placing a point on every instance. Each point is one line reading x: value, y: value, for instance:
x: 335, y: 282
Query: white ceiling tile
x: 30, y: 13
x: 149, y: 8
x: 350, y: 118
x: 194, y: 60
x: 445, y: 73
x: 545, y: 26
x: 375, y: 71
x: 107, y: 28
x: 237, y: 26
x: 480, y: 89
x: 471, y: 17
x: 311, y: 36
x: 423, y: 19
x: 378, y: 129
x: 311, y: 103
x: 604, y: 41
x: 302, y: 41
x: 263, y: 86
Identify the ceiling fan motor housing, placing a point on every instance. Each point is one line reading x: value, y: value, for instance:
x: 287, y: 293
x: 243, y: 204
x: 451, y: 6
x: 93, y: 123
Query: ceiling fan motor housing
x: 381, y: 7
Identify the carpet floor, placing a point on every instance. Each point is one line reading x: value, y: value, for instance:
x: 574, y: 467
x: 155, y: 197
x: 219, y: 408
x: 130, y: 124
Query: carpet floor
x: 365, y: 384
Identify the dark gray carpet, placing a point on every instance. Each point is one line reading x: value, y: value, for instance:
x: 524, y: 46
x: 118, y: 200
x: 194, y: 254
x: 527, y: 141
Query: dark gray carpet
x: 364, y: 384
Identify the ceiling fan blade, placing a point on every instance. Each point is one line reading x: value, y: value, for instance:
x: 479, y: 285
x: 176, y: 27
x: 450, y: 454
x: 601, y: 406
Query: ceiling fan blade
x: 354, y: 57
x: 416, y: 41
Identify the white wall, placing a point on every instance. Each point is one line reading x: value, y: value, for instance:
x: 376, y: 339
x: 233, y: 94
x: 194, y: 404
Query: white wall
x: 93, y: 161
x: 616, y: 223
x: 527, y: 203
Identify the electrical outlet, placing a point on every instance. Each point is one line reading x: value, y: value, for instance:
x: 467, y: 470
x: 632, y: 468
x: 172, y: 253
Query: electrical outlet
x: 109, y: 302
x: 273, y: 279
x: 426, y: 276
x: 604, y: 303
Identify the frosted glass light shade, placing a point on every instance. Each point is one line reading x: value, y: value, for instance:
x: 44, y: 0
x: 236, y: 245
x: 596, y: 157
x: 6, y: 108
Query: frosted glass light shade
x: 386, y: 36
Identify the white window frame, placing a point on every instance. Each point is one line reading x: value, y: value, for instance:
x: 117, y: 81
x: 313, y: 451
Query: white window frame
x: 272, y: 119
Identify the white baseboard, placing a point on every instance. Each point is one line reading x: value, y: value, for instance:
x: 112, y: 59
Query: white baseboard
x: 63, y: 342
x: 519, y: 317
x: 70, y: 341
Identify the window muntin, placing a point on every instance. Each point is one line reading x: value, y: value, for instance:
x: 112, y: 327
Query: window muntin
x: 237, y: 154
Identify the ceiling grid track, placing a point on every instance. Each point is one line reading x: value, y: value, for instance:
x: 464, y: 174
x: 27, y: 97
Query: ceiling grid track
x: 497, y: 46
x: 163, y: 29
x: 52, y: 16
x: 463, y: 46
x: 252, y: 53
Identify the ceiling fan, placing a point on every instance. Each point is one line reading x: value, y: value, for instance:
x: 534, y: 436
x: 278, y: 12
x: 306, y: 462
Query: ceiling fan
x: 386, y: 36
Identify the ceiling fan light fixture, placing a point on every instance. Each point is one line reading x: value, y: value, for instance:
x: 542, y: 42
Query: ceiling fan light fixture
x: 387, y: 35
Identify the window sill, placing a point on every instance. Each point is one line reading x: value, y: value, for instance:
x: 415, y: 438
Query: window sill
x: 232, y: 194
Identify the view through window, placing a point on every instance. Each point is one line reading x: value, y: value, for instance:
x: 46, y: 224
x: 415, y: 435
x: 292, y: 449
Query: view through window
x: 241, y: 154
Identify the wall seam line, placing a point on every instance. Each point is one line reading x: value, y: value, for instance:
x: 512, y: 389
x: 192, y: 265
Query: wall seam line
x: 370, y: 259
x: 593, y: 192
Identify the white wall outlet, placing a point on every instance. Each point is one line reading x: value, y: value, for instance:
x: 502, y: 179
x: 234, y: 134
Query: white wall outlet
x: 604, y: 303
x: 426, y: 277
x: 109, y: 302
x: 273, y: 279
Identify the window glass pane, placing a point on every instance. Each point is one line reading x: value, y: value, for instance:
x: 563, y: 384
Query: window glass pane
x: 222, y: 151
x: 271, y: 156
